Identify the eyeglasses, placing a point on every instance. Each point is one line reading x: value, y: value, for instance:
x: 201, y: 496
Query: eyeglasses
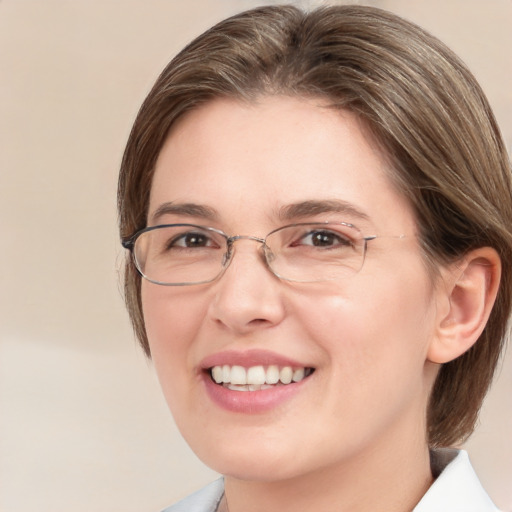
x: 187, y: 254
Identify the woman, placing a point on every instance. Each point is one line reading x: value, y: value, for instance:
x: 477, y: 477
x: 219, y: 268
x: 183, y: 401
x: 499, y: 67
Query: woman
x: 318, y: 209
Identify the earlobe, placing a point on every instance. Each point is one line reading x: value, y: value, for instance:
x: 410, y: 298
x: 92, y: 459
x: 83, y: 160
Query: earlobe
x: 468, y: 291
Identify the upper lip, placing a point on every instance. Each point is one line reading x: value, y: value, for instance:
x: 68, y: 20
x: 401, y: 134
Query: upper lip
x: 248, y: 358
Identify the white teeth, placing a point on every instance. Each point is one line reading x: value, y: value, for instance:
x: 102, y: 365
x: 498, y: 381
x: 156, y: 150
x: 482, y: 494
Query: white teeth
x: 286, y: 375
x: 238, y: 375
x: 256, y: 375
x: 234, y: 387
x: 298, y: 375
x: 217, y: 374
x: 272, y: 376
x: 256, y: 378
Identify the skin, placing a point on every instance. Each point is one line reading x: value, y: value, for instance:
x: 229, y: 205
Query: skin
x: 359, y: 419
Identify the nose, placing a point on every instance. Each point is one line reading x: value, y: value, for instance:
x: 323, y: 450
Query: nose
x: 247, y: 296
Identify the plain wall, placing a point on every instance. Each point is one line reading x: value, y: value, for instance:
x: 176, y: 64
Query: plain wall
x: 83, y: 426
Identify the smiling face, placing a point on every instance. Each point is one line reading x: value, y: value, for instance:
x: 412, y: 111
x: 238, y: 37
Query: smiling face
x: 355, y: 346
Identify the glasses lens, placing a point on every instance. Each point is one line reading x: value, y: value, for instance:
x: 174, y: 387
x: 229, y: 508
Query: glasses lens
x: 316, y: 252
x: 180, y: 254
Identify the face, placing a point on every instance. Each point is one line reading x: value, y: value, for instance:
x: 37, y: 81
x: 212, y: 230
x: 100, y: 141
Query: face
x: 361, y: 341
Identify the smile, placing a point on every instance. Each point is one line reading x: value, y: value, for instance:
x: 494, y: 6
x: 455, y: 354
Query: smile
x: 257, y: 378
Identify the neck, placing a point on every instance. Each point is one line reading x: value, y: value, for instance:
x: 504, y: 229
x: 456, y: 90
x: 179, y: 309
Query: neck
x: 393, y: 480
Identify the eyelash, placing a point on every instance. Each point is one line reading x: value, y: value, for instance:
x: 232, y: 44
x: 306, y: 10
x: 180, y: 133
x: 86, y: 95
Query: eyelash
x: 335, y: 240
x: 190, y: 234
x: 340, y: 239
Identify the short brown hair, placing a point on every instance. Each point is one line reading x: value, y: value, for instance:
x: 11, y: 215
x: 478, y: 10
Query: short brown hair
x: 424, y: 108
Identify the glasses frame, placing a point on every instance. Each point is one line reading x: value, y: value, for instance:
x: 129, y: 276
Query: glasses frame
x: 129, y: 244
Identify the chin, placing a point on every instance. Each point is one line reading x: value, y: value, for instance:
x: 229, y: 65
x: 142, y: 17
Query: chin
x: 256, y: 471
x: 258, y: 463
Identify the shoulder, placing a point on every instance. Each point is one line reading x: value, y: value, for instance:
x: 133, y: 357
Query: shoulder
x: 205, y: 500
x: 456, y: 487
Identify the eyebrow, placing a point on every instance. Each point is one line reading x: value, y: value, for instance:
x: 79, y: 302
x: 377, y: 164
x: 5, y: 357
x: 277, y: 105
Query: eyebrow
x: 313, y: 207
x: 188, y: 209
x: 286, y: 213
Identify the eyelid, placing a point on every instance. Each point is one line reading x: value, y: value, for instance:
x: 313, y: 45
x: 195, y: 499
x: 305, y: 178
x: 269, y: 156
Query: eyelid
x: 334, y: 226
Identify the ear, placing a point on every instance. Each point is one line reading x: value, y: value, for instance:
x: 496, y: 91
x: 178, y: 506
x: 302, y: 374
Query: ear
x: 467, y: 293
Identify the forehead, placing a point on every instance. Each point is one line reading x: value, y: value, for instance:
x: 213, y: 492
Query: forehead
x: 255, y: 159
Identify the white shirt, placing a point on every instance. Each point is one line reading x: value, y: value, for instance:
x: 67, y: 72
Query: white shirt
x: 456, y: 489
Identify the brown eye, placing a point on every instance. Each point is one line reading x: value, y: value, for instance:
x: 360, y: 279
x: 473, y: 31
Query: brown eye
x: 324, y: 238
x: 191, y: 240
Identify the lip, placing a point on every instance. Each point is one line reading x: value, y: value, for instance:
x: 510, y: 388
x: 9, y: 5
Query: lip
x: 250, y: 402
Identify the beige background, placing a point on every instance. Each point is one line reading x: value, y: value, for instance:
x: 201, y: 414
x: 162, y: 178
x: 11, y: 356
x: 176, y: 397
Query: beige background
x: 82, y: 424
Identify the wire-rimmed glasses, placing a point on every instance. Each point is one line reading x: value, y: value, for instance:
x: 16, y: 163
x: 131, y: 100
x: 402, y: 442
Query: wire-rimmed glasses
x: 188, y: 254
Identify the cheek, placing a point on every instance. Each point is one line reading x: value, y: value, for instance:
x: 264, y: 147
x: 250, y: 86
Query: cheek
x: 170, y: 316
x: 172, y: 320
x: 372, y: 338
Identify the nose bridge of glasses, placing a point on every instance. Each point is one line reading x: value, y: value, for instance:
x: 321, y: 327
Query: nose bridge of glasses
x: 232, y: 239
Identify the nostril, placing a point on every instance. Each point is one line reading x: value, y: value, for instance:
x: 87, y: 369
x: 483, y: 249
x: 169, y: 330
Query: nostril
x: 258, y: 321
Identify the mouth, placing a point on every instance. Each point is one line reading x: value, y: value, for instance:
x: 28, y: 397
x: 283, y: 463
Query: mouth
x: 257, y: 378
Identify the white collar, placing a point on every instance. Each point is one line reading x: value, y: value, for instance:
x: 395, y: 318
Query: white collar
x: 456, y: 488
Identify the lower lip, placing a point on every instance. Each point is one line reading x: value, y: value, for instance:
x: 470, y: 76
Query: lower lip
x: 250, y: 402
